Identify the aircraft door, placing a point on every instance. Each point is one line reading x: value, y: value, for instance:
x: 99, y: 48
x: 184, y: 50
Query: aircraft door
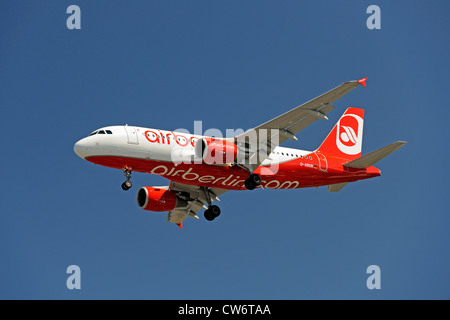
x: 323, y: 163
x: 132, y: 135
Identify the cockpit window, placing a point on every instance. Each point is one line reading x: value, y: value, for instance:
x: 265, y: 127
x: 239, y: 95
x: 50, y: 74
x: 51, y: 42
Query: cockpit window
x: 101, y: 132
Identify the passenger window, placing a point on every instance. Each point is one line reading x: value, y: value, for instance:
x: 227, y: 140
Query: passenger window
x: 310, y: 158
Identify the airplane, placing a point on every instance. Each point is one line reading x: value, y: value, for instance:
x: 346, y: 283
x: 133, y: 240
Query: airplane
x: 200, y: 168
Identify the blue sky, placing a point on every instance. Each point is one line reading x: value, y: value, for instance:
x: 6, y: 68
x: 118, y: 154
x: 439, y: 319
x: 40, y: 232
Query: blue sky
x: 231, y: 64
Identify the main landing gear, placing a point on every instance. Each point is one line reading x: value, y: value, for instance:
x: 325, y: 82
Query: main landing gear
x: 252, y: 181
x: 127, y: 173
x: 213, y: 211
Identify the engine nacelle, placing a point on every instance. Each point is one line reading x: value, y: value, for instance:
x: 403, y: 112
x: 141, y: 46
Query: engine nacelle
x: 216, y: 151
x: 156, y: 199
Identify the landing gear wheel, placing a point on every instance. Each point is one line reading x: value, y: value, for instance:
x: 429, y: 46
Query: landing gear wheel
x: 212, y: 212
x: 208, y: 215
x: 249, y: 185
x: 215, y: 210
x: 127, y: 173
x: 252, y: 181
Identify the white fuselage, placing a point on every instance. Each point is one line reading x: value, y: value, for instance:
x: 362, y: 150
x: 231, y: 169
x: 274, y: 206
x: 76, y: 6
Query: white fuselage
x: 157, y: 145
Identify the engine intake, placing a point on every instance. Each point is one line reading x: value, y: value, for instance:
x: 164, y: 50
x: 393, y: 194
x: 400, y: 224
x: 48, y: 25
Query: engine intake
x: 156, y: 199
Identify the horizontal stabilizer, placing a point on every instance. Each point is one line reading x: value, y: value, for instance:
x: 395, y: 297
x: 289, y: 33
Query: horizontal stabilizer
x: 370, y: 159
x: 336, y: 187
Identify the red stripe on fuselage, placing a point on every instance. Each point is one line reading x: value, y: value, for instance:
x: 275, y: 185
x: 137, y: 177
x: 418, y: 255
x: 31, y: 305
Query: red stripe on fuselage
x: 296, y: 173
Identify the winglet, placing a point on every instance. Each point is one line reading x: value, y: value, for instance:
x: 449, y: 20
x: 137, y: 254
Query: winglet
x: 180, y: 225
x: 363, y: 81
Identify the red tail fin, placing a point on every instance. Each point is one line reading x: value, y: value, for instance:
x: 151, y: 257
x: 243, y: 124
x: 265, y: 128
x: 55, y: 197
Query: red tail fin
x: 345, y: 140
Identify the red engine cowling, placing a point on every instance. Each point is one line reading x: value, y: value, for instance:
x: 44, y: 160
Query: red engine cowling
x: 156, y: 199
x: 216, y: 151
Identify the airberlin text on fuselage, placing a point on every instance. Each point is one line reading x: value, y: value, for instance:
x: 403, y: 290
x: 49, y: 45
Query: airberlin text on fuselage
x: 180, y: 139
x: 228, y: 181
x: 231, y: 181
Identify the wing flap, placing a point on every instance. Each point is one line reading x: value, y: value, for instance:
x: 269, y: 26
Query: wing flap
x: 178, y: 216
x: 195, y: 199
x: 308, y: 120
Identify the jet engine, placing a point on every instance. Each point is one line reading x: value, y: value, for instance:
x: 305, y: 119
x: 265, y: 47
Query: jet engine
x: 157, y: 199
x: 216, y: 151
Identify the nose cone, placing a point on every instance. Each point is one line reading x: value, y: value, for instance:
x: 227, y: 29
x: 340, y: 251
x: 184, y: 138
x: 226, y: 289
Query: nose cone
x: 81, y: 148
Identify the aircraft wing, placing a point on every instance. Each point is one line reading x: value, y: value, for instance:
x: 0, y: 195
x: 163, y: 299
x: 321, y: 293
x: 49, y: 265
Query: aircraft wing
x: 196, y: 198
x: 274, y: 132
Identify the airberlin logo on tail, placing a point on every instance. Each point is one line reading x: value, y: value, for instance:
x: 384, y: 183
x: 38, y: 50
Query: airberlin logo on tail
x: 349, y: 134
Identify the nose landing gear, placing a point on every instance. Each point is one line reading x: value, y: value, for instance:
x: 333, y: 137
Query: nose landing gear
x: 127, y: 173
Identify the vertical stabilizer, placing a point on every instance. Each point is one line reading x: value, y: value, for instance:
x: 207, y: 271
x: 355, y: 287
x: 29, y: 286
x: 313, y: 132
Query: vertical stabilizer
x: 345, y: 140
